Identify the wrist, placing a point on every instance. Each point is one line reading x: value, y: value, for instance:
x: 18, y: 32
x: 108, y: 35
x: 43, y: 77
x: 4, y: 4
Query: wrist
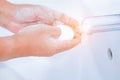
x: 20, y: 46
x: 12, y: 47
x: 6, y: 48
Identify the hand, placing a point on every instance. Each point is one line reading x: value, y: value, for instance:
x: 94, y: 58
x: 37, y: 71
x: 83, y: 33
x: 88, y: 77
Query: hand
x: 42, y: 40
x: 14, y: 17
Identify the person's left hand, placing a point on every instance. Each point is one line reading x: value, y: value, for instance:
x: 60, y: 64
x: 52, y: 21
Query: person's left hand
x: 16, y: 17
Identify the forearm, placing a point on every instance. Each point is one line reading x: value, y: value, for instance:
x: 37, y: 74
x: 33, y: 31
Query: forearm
x: 9, y: 48
x: 5, y: 9
x: 6, y: 45
x: 13, y: 47
x: 4, y: 5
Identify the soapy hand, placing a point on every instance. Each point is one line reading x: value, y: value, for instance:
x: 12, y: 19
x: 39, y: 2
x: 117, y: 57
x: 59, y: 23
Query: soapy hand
x: 42, y: 40
x: 18, y: 16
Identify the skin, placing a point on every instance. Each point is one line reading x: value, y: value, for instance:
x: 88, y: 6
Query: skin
x: 42, y: 40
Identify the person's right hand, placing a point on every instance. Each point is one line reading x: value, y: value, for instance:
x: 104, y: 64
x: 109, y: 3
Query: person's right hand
x: 42, y: 40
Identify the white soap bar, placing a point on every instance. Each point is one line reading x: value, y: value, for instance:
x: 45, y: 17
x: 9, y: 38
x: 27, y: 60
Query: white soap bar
x: 66, y: 32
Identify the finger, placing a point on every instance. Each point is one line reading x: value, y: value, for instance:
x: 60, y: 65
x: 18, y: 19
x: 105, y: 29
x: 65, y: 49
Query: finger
x: 67, y: 20
x: 47, y: 29
x: 77, y: 32
x: 54, y: 32
x: 68, y: 44
x: 44, y: 15
x: 49, y: 16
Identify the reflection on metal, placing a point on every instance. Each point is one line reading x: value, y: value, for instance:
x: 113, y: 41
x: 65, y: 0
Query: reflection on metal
x: 103, y: 23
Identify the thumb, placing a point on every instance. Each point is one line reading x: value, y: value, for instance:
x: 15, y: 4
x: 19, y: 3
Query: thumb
x: 55, y: 32
x: 68, y: 44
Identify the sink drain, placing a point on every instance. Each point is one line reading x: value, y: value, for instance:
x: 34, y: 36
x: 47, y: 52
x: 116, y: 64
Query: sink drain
x: 110, y: 54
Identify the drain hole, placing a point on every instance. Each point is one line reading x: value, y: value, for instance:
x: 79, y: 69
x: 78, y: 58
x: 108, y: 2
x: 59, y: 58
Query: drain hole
x: 110, y: 54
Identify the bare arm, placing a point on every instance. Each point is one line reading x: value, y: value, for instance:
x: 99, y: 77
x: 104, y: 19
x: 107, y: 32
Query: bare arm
x: 6, y: 45
x: 42, y: 40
